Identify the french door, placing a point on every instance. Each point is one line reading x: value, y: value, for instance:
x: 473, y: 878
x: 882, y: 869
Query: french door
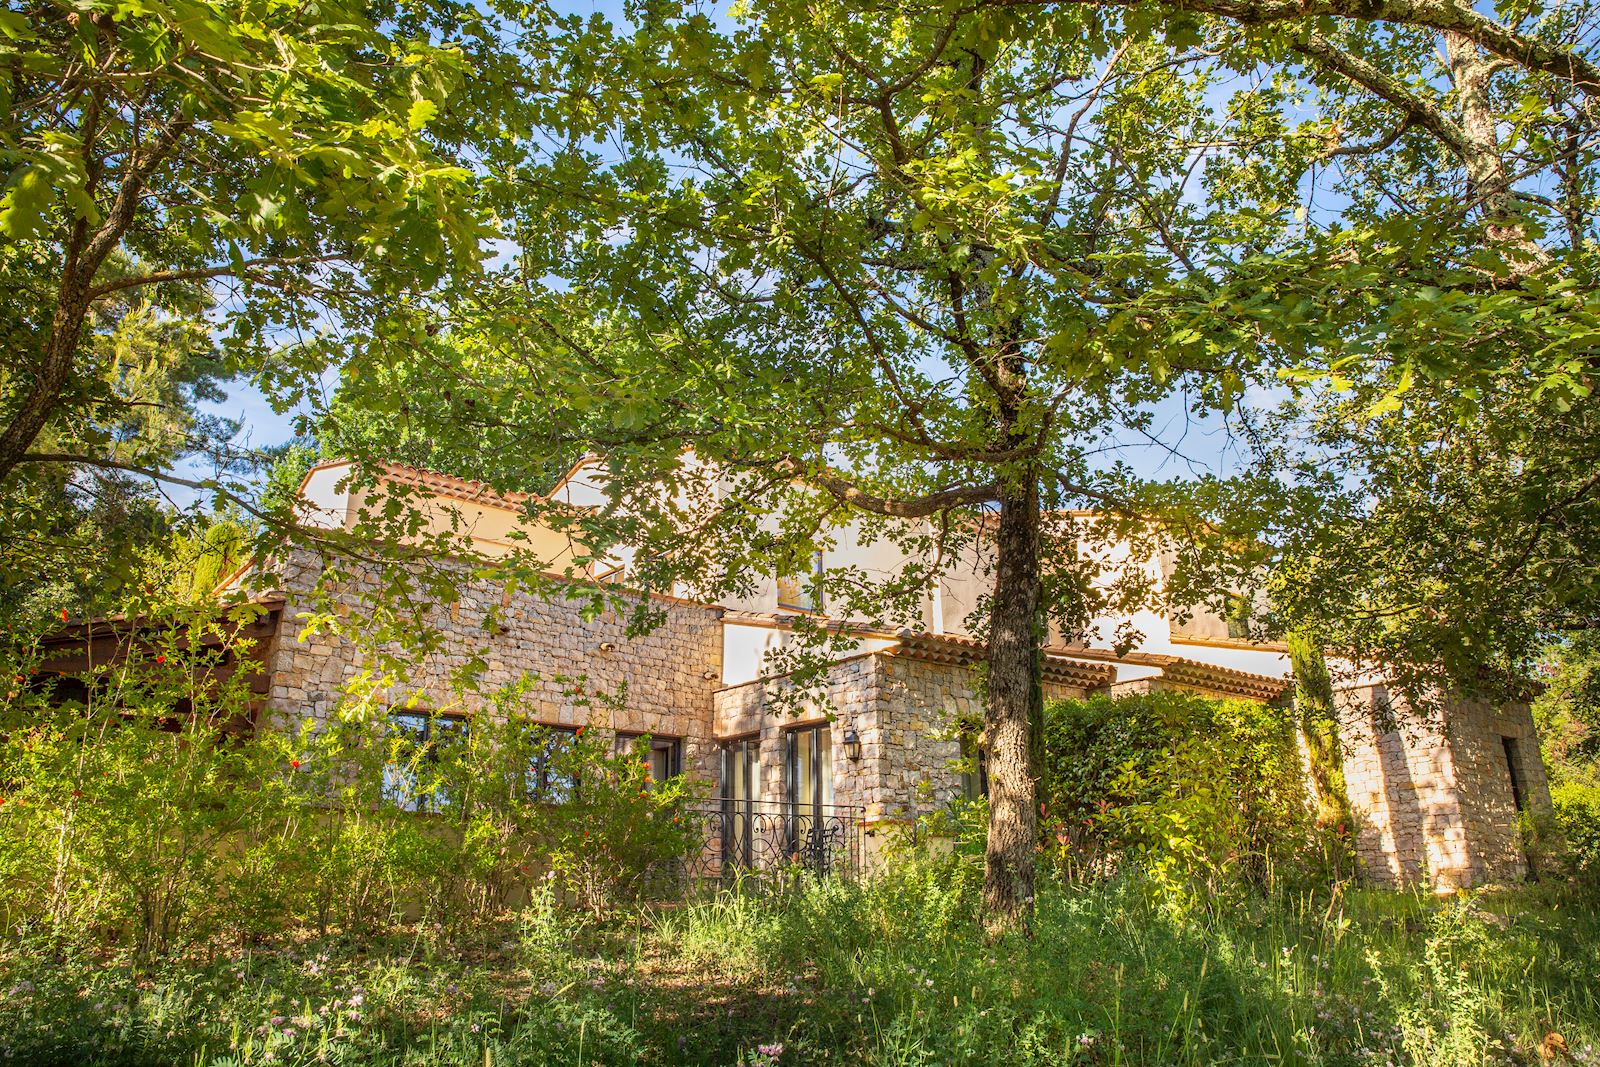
x: 741, y: 795
x: 810, y: 794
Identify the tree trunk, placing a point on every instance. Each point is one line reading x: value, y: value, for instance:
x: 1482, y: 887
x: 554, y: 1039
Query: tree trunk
x: 82, y: 257
x: 54, y: 370
x: 1015, y: 705
x: 1487, y: 179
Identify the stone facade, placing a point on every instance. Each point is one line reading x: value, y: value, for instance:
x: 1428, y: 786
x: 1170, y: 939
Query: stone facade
x: 665, y: 680
x: 902, y: 709
x: 1436, y: 804
x: 905, y: 713
x: 1433, y: 791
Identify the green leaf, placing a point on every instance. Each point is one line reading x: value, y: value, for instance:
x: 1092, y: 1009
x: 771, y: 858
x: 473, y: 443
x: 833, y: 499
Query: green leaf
x: 422, y: 112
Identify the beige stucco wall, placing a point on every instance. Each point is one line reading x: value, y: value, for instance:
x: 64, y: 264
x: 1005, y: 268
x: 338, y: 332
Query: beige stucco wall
x: 492, y: 526
x: 490, y: 529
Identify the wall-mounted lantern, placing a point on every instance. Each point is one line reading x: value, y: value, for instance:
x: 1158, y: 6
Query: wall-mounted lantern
x: 852, y: 744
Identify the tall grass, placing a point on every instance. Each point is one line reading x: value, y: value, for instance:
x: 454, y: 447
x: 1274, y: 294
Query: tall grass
x: 888, y: 973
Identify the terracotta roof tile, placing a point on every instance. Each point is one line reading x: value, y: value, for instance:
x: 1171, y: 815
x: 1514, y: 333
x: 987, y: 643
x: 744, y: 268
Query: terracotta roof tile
x: 967, y: 651
x: 460, y: 488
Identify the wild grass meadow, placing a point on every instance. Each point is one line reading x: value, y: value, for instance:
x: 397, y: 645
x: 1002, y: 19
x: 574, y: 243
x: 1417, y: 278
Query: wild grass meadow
x: 892, y: 971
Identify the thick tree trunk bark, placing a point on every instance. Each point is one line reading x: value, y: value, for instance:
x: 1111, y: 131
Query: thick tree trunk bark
x: 50, y: 377
x: 1011, y: 716
x: 1488, y: 181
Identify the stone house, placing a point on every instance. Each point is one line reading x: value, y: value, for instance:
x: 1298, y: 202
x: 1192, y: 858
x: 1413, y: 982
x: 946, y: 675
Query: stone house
x: 880, y: 742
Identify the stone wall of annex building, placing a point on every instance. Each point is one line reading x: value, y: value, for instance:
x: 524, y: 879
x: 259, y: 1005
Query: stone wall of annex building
x: 661, y: 675
x: 911, y: 730
x: 756, y: 710
x: 1401, y: 783
x: 1478, y: 733
x: 1433, y: 792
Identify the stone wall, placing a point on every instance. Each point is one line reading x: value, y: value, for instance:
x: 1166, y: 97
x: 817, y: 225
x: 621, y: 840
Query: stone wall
x: 1477, y: 736
x: 660, y: 677
x: 903, y: 710
x: 1433, y: 796
x: 1432, y: 790
x: 759, y: 710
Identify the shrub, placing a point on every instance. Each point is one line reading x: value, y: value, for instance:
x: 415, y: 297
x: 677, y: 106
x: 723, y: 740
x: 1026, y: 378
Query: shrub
x: 1576, y: 808
x: 150, y: 812
x: 622, y: 836
x: 1203, y: 795
x: 123, y: 811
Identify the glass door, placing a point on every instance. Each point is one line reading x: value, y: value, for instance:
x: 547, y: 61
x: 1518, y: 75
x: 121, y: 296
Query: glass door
x: 741, y: 793
x: 810, y: 794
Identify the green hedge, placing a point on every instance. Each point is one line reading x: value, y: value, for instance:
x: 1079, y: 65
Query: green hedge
x: 1204, y: 795
x: 1577, y: 813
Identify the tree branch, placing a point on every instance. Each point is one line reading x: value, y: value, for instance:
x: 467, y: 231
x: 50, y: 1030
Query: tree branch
x: 1416, y: 110
x: 160, y: 276
x: 920, y: 507
x: 1441, y: 15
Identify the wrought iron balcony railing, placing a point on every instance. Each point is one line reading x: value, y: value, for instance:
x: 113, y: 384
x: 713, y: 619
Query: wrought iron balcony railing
x: 754, y: 835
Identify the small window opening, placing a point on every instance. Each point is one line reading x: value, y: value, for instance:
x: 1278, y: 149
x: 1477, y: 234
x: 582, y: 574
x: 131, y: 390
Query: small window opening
x: 803, y: 593
x: 1514, y: 767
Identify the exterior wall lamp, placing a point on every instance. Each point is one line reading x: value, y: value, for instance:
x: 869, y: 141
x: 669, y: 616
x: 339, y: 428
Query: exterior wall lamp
x: 852, y: 744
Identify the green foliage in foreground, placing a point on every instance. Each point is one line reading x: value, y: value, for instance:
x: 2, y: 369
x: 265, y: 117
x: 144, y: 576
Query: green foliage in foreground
x: 1207, y: 797
x: 894, y: 972
x: 1567, y: 713
x: 142, y: 812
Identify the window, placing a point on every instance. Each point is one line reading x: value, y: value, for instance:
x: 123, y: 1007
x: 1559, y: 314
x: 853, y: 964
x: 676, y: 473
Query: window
x: 548, y: 780
x: 1237, y: 613
x: 813, y: 825
x: 1231, y: 616
x: 665, y: 755
x: 811, y: 769
x: 1518, y: 796
x: 802, y: 593
x: 741, y: 770
x: 410, y: 776
x: 741, y: 790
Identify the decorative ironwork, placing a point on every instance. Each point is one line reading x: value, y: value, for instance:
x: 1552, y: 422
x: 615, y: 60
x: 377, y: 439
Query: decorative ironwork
x: 753, y: 835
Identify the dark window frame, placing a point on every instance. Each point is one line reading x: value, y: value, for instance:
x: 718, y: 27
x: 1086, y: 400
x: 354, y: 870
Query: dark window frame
x: 745, y: 752
x: 420, y: 801
x: 665, y: 743
x: 741, y: 759
x: 538, y: 780
x: 819, y: 735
